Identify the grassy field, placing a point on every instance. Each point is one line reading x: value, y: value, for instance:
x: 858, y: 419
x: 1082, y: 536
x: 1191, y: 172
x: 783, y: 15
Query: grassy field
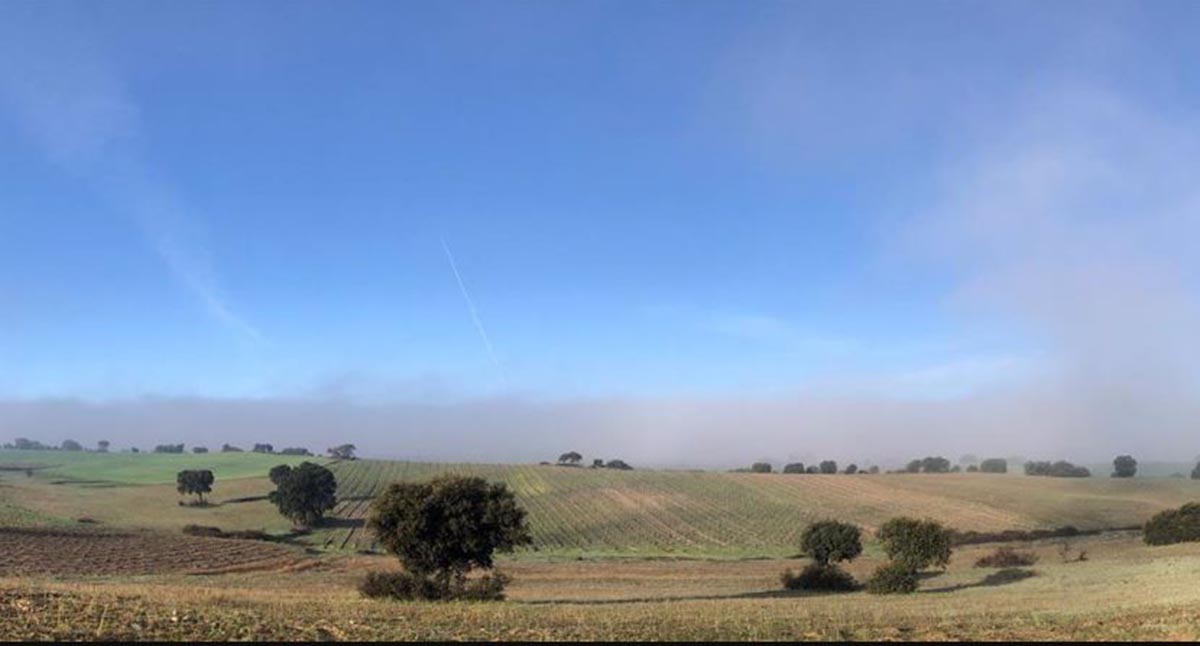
x: 1125, y: 590
x: 729, y: 536
x: 589, y: 512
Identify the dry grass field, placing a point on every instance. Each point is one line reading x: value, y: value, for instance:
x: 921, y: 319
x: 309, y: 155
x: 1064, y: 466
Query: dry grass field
x: 617, y: 555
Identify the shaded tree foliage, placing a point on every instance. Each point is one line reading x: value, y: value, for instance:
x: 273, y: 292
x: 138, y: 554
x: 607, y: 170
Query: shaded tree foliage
x: 619, y: 465
x: 304, y: 494
x: 828, y: 466
x: 1173, y: 526
x: 195, y: 482
x: 851, y: 469
x: 71, y: 445
x: 917, y: 544
x: 831, y: 541
x: 1060, y: 469
x: 1124, y: 466
x: 442, y: 529
x: 760, y: 467
x: 793, y: 467
x: 342, y: 451
x: 570, y: 457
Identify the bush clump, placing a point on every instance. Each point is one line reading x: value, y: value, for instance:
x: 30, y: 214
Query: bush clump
x: 1007, y: 557
x: 817, y: 577
x: 405, y: 586
x: 917, y: 544
x: 831, y: 541
x: 893, y: 578
x: 1173, y: 526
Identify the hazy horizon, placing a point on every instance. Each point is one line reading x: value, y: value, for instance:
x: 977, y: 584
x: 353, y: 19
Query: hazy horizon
x: 675, y: 233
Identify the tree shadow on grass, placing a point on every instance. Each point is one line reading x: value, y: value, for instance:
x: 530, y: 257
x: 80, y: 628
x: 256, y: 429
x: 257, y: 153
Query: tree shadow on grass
x: 765, y: 594
x: 1001, y: 577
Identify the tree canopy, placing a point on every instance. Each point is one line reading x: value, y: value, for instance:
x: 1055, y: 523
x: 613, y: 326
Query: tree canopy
x: 304, y: 494
x: 194, y: 482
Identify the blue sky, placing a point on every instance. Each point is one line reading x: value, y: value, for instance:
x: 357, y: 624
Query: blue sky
x: 645, y: 200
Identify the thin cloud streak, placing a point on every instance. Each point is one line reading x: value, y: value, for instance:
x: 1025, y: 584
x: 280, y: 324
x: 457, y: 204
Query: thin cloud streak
x: 475, y: 318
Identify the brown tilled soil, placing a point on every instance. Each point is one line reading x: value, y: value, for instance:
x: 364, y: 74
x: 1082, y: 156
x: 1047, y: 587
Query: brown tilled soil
x: 56, y: 552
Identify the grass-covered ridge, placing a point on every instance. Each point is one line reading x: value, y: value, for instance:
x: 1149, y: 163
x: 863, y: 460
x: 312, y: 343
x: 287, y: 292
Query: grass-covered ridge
x: 142, y: 468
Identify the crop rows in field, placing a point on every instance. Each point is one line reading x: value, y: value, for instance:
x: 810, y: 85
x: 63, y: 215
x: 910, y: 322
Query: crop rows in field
x: 42, y: 551
x: 601, y: 511
x: 630, y: 512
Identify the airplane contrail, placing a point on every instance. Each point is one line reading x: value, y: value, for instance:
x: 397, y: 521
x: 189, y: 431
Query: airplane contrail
x: 487, y: 342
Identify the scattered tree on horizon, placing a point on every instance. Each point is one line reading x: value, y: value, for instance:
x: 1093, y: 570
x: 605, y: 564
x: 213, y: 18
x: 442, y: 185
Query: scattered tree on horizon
x: 914, y: 466
x: 199, y: 449
x: 71, y: 445
x: 1060, y: 469
x: 831, y: 541
x: 194, y: 482
x: 619, y: 465
x: 760, y: 467
x: 102, y: 446
x: 570, y: 457
x: 229, y: 448
x: 936, y: 464
x: 263, y: 448
x: 874, y: 469
x: 597, y: 463
x: 794, y: 467
x: 828, y: 467
x: 851, y: 469
x: 994, y: 465
x: 1124, y: 466
x: 342, y: 451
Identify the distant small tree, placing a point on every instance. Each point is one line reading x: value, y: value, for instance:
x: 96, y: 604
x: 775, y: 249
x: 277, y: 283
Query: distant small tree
x: 134, y: 449
x: 263, y: 448
x: 957, y: 468
x: 442, y: 529
x: 828, y: 467
x: 794, y: 467
x: 199, y: 449
x: 851, y: 469
x: 1124, y: 466
x: 1196, y: 472
x: 971, y: 468
x: 194, y: 482
x: 168, y: 448
x: 994, y: 465
x: 874, y: 469
x: 619, y: 465
x: 968, y: 459
x: 760, y: 467
x: 597, y: 463
x: 71, y: 445
x: 229, y: 448
x: 342, y: 452
x: 812, y: 469
x: 102, y: 446
x: 305, y: 494
x: 935, y: 465
x: 570, y: 457
x: 913, y: 466
x: 916, y: 543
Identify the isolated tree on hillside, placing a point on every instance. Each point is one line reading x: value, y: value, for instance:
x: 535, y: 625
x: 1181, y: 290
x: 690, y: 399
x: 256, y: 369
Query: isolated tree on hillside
x: 71, y: 445
x: 831, y: 541
x: 195, y: 482
x: 570, y: 457
x: 229, y: 448
x: 813, y: 469
x: 619, y: 465
x: 917, y: 544
x: 1124, y: 466
x: 263, y: 448
x: 851, y: 469
x: 102, y: 446
x: 342, y: 451
x: 828, y: 467
x: 874, y: 469
x: 199, y: 449
x: 442, y: 529
x: 914, y: 466
x: 794, y: 467
x: 597, y: 463
x: 305, y: 493
x: 760, y: 467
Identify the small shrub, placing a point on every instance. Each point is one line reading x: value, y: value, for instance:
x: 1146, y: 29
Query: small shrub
x: 1174, y: 526
x: 893, y: 578
x: 760, y: 467
x: 817, y: 577
x: 1007, y: 557
x: 794, y: 467
x: 994, y: 465
x: 404, y: 586
x: 831, y: 541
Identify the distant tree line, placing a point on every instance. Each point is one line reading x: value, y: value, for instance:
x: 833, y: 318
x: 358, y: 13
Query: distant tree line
x: 574, y: 458
x: 1059, y: 469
